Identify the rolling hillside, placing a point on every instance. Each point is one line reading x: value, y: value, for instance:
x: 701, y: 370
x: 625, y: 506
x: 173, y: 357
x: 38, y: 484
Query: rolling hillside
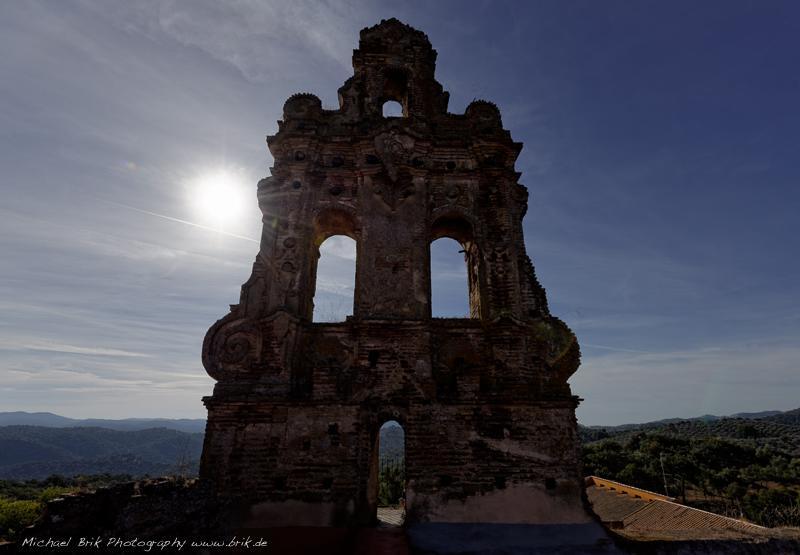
x: 50, y: 420
x: 779, y: 430
x: 36, y: 452
x: 36, y: 445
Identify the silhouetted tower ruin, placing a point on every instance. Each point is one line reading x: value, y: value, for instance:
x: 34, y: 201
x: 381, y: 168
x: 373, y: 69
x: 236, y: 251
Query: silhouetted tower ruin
x: 488, y: 415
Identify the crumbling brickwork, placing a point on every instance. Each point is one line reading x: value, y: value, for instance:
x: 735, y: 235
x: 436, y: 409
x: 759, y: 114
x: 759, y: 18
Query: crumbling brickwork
x: 151, y: 508
x: 488, y: 415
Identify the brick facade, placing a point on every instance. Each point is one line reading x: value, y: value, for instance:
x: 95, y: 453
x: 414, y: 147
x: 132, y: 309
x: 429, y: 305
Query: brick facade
x: 488, y: 415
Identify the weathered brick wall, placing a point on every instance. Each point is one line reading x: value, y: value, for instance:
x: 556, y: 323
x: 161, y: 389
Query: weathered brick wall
x: 147, y: 508
x: 472, y: 428
x: 455, y: 452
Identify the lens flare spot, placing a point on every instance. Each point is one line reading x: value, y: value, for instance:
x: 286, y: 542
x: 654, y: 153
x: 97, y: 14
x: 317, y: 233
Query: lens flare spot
x: 219, y: 198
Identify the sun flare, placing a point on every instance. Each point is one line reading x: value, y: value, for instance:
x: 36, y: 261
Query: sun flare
x: 219, y: 198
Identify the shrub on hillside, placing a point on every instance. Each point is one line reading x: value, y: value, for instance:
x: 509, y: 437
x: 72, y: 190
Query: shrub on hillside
x: 16, y: 515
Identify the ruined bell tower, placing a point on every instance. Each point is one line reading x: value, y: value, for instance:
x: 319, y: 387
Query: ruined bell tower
x: 488, y: 415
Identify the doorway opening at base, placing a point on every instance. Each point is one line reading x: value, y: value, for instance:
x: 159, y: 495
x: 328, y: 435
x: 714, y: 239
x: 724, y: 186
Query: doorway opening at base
x: 391, y: 473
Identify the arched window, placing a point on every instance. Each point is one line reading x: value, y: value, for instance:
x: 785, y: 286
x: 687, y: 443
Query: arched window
x: 392, y: 109
x: 455, y: 287
x: 333, y: 276
x: 449, y: 287
x: 336, y: 275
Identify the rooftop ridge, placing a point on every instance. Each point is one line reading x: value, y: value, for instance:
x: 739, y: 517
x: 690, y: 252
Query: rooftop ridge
x: 626, y: 489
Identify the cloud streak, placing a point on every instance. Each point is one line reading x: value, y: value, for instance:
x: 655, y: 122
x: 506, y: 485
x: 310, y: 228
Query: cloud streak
x: 70, y: 349
x: 185, y: 222
x: 260, y: 39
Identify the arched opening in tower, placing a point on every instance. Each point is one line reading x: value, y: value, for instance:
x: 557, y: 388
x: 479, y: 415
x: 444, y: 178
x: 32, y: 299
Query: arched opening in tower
x: 336, y: 279
x: 392, y: 109
x: 391, y: 474
x: 449, y: 283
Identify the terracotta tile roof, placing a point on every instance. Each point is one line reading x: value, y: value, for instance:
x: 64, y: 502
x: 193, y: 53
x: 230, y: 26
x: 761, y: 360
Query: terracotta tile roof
x: 610, y: 507
x: 665, y: 515
x: 639, y: 513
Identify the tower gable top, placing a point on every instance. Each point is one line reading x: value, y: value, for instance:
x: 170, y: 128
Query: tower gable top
x: 394, y: 62
x: 392, y: 43
x: 392, y: 35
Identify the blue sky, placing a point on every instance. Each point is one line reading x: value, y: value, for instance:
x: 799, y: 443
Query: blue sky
x: 662, y: 152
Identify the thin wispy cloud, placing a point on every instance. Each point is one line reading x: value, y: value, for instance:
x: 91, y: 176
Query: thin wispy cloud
x: 610, y: 348
x: 69, y: 349
x: 186, y: 222
x: 259, y: 39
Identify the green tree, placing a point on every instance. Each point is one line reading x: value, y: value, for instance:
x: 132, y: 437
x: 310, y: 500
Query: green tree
x: 16, y: 515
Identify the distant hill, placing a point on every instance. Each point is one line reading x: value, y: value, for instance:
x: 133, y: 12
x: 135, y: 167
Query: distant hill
x: 754, y: 415
x: 36, y: 451
x: 51, y: 420
x: 36, y: 445
x: 774, y: 428
x: 790, y: 417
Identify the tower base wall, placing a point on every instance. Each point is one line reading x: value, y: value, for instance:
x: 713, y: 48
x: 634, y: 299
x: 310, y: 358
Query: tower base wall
x: 310, y: 464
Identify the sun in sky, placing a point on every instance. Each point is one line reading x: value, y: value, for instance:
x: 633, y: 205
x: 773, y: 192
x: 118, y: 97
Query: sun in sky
x: 219, y: 197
